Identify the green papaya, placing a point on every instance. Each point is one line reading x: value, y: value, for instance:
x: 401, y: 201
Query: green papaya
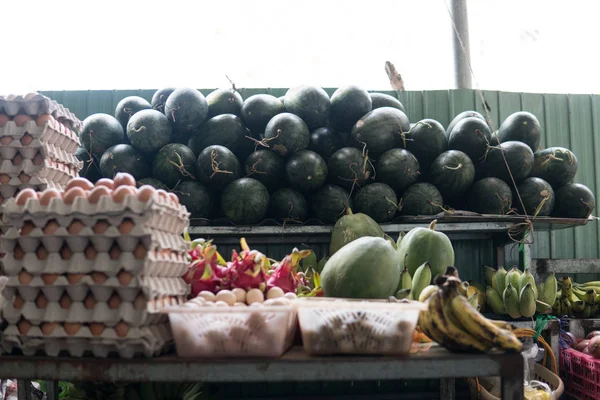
x: 351, y: 227
x: 366, y: 268
x: 422, y: 245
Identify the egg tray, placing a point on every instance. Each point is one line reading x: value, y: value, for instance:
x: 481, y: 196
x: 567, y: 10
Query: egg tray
x: 45, y: 151
x: 147, y: 341
x: 52, y: 132
x: 77, y: 312
x: 60, y: 174
x: 35, y: 104
x: 45, y: 169
x: 7, y: 191
x: 160, y: 211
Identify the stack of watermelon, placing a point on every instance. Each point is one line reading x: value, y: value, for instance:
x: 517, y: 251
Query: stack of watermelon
x: 307, y: 155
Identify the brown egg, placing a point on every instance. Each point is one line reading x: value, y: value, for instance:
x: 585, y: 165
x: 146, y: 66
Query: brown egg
x: 17, y: 159
x: 47, y: 195
x: 26, y: 140
x: 173, y: 197
x: 41, y: 301
x: 114, y: 302
x: 41, y: 253
x: 48, y: 327
x: 124, y: 179
x: 145, y: 193
x: 71, y: 327
x: 79, y: 182
x: 107, y: 183
x: 26, y: 229
x: 90, y: 252
x: 49, y: 279
x: 4, y: 179
x: 125, y: 278
x: 76, y: 227
x: 18, y: 302
x: 96, y: 328
x: 101, y: 226
x: 37, y: 160
x: 162, y: 194
x: 140, y: 302
x: 115, y: 252
x: 66, y: 253
x: 121, y: 192
x: 24, y: 326
x: 126, y: 226
x: 18, y: 253
x: 43, y: 119
x: 74, y: 278
x: 6, y: 140
x: 24, y: 178
x: 3, y: 120
x: 98, y: 277
x: 65, y: 301
x: 70, y: 195
x: 122, y: 329
x: 25, y: 277
x: 98, y: 192
x: 139, y: 252
x: 51, y: 227
x: 89, y: 302
x: 21, y: 119
x: 23, y: 195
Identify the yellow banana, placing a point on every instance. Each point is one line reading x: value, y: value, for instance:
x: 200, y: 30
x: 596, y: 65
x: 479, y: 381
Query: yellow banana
x: 527, y: 301
x: 427, y: 292
x: 550, y: 289
x: 557, y: 308
x: 526, y: 278
x: 500, y: 280
x: 494, y: 300
x: 578, y: 307
x: 587, y: 311
x: 405, y: 279
x: 480, y: 290
x: 502, y: 324
x: 472, y: 299
x: 590, y: 296
x: 542, y: 308
x: 511, y: 301
x: 567, y: 287
x: 566, y: 306
x: 421, y: 279
x: 489, y: 275
x: 513, y: 276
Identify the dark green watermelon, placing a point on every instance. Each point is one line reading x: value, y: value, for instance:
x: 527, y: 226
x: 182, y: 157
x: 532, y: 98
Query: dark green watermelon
x: 124, y: 158
x: 348, y: 105
x: 421, y: 199
x: 281, y: 99
x: 91, y: 165
x: 426, y: 140
x: 225, y: 130
x: 325, y: 142
x: 555, y: 165
x: 574, y: 200
x: 217, y: 166
x: 472, y: 136
x: 129, y: 106
x: 397, y: 168
x: 258, y: 110
x: 521, y: 126
x: 160, y: 98
x: 460, y: 117
x: 152, y: 182
x: 286, y: 133
x: 174, y: 163
x: 187, y: 110
x: 199, y: 202
x: 379, y: 100
x: 329, y: 203
x: 490, y: 196
x: 224, y: 101
x: 306, y: 171
x: 149, y: 130
x: 266, y: 167
x: 518, y: 156
x: 311, y: 103
x: 537, y: 196
x: 101, y: 131
x: 245, y: 201
x: 380, y: 130
x: 348, y: 167
x: 452, y: 173
x: 378, y: 201
x: 288, y: 205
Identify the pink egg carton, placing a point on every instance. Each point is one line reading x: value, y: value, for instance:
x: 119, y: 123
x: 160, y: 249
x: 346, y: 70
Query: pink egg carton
x: 33, y: 135
x: 146, y: 341
x: 35, y: 104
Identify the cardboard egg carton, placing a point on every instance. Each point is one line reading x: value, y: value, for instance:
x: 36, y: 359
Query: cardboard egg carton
x: 31, y: 159
x: 35, y: 104
x: 51, y: 171
x: 33, y: 135
x: 146, y: 341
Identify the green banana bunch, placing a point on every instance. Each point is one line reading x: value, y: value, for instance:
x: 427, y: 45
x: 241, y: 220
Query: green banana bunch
x: 511, y: 301
x: 405, y: 279
x: 421, y: 279
x: 403, y: 294
x: 513, y: 276
x: 526, y: 278
x: 500, y: 280
x: 489, y: 275
x: 549, y: 289
x: 527, y: 299
x: 494, y: 300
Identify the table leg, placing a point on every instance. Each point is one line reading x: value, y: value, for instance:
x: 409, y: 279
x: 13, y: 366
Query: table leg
x: 51, y: 390
x: 447, y: 389
x: 512, y: 385
x: 23, y: 389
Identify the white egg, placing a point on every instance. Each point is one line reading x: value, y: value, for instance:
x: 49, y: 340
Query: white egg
x: 227, y: 296
x: 206, y: 295
x: 221, y: 303
x: 239, y: 304
x: 257, y: 305
x: 275, y: 292
x: 240, y: 295
x: 254, y: 296
x: 290, y: 295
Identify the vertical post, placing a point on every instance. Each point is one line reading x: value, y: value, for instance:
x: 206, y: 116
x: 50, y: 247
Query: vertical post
x: 462, y: 52
x: 24, y: 389
x: 447, y: 389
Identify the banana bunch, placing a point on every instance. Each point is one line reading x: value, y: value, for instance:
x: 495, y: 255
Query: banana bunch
x: 579, y: 300
x: 453, y: 322
x: 416, y: 287
x: 516, y: 294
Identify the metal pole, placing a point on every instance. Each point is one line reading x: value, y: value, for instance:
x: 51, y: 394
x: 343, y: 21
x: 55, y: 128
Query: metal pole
x: 462, y: 52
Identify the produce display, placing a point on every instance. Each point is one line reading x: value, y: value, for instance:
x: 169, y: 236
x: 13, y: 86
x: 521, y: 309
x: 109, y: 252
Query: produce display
x: 307, y: 157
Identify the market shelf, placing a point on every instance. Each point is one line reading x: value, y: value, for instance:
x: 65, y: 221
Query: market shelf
x: 295, y: 365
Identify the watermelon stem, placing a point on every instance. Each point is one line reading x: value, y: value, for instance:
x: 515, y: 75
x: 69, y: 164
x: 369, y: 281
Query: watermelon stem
x: 459, y: 166
x: 397, y: 206
x: 180, y: 166
x: 448, y: 210
x: 544, y: 200
x: 265, y: 141
x: 215, y: 165
x: 403, y: 134
x: 253, y: 170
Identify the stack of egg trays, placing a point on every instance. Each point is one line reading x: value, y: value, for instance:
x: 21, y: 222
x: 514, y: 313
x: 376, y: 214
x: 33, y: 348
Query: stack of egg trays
x: 76, y: 294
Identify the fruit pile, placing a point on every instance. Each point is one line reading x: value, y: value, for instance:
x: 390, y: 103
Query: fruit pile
x: 308, y: 155
x: 590, y: 345
x: 578, y: 300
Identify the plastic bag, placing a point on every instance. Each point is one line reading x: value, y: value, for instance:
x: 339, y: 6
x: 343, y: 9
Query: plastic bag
x: 537, y: 390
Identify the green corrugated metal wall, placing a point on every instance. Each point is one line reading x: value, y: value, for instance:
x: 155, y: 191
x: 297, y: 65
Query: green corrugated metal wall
x: 572, y: 121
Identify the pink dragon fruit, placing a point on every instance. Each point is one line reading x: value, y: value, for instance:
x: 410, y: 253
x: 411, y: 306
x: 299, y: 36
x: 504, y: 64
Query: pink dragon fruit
x: 248, y: 269
x: 207, y: 270
x: 285, y: 273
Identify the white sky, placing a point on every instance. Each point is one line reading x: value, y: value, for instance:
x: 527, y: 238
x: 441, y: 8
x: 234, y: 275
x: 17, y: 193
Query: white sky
x: 516, y: 45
